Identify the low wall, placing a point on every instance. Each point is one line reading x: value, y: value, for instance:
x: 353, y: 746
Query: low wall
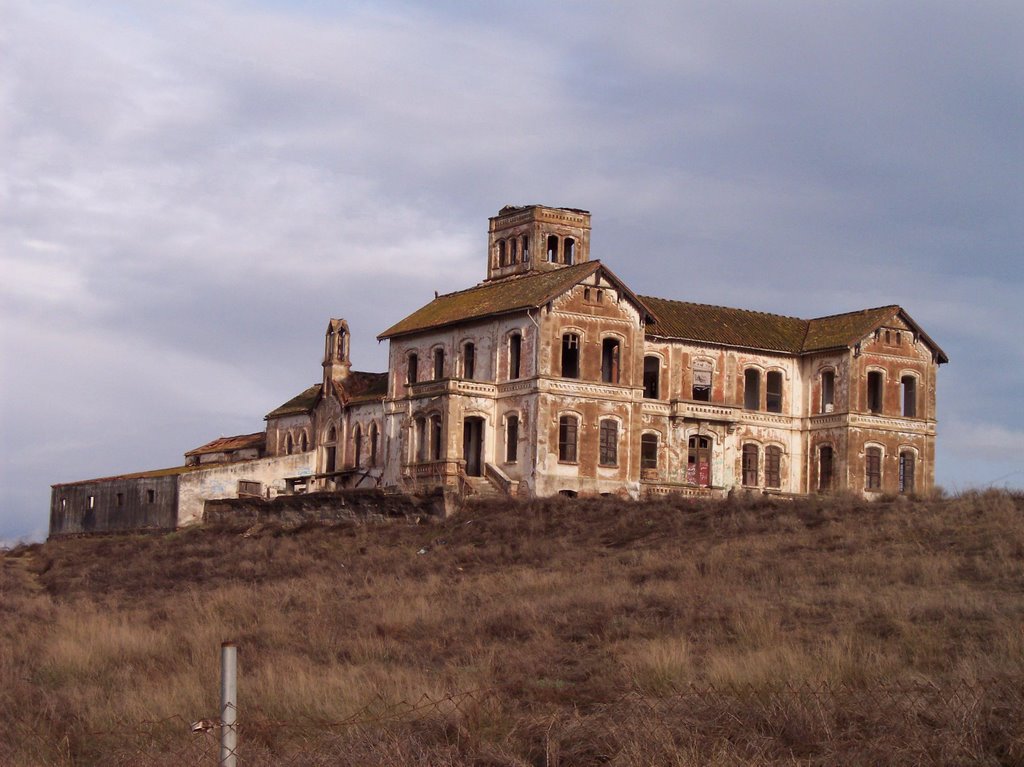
x: 337, y: 506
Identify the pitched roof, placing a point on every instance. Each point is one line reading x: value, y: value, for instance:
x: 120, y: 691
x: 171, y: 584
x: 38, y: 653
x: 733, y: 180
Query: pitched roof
x: 487, y: 299
x: 300, y: 403
x: 226, y: 444
x: 845, y: 329
x: 151, y: 474
x: 363, y: 387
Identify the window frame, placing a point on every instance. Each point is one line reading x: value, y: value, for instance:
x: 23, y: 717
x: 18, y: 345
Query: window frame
x: 512, y: 422
x: 774, y: 401
x: 773, y: 467
x: 608, y: 443
x: 657, y: 379
x: 567, y: 345
x: 568, y: 438
x: 645, y: 446
x: 749, y: 464
x: 873, y: 459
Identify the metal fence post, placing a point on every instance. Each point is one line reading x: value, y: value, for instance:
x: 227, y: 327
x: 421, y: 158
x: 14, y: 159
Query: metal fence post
x: 228, y: 703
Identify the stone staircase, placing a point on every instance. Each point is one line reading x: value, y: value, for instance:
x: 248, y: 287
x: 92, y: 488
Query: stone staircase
x: 483, y: 489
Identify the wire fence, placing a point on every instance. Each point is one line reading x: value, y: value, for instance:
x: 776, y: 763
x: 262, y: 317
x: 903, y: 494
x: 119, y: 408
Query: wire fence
x: 965, y: 723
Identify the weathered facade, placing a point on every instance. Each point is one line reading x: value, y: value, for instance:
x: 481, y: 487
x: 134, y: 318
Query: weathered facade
x: 552, y: 376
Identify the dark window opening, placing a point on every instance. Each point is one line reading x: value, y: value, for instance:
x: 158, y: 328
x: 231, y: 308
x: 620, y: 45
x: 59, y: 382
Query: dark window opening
x: 526, y: 248
x: 586, y: 294
x: 906, y: 472
x: 412, y: 369
x: 357, y: 446
x: 899, y: 338
x: 289, y: 445
x: 435, y: 438
x: 887, y: 337
x: 610, y: 360
x: 750, y: 465
x: 825, y: 468
x: 468, y: 361
x: 513, y: 254
x: 873, y: 468
x: 568, y: 493
x: 609, y: 435
x: 567, y: 427
x: 828, y: 391
x: 501, y: 253
x: 875, y: 393
x: 570, y: 356
x: 438, y: 364
x: 120, y: 499
x: 652, y: 378
x: 600, y: 295
x: 773, y: 392
x: 698, y: 461
x: 303, y: 443
x: 150, y: 496
x: 331, y: 460
x: 649, y: 451
x: 512, y: 438
x: 568, y: 250
x: 421, y: 439
x: 773, y: 467
x: 552, y: 249
x: 373, y: 444
x: 515, y: 348
x: 751, y: 389
x: 908, y: 396
x: 701, y: 389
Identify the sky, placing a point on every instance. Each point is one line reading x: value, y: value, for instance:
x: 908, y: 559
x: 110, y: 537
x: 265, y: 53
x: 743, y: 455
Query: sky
x: 190, y: 190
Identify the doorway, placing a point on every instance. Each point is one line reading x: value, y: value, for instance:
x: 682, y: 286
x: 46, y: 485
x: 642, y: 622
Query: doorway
x: 473, y: 446
x: 698, y: 464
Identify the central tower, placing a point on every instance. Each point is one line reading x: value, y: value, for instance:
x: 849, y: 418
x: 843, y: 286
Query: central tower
x: 535, y: 238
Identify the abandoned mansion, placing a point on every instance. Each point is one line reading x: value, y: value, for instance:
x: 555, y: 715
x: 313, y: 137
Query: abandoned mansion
x: 551, y: 376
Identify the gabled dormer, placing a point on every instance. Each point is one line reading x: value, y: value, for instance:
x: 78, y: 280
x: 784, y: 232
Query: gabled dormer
x: 535, y: 238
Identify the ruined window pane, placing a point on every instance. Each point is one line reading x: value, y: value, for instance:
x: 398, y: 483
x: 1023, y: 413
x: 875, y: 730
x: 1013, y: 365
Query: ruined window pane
x: 825, y: 468
x: 412, y: 369
x: 609, y: 454
x: 515, y: 347
x: 569, y: 250
x: 649, y: 451
x: 435, y: 438
x: 702, y: 372
x: 908, y: 396
x: 828, y: 391
x: 552, y: 249
x: 875, y: 394
x: 752, y: 389
x: 570, y: 356
x: 512, y: 438
x: 513, y: 254
x: 750, y: 465
x: 652, y: 378
x: 468, y: 361
x: 438, y: 364
x: 873, y: 468
x: 773, y: 467
x: 610, y: 360
x: 906, y: 472
x: 421, y: 439
x: 773, y: 392
x: 526, y: 248
x: 567, y: 438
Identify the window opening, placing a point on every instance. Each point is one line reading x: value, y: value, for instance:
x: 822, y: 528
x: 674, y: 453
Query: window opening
x: 649, y: 451
x: 513, y: 254
x: 120, y: 499
x: 570, y: 356
x: 887, y: 337
x: 92, y: 502
x: 702, y: 372
x: 501, y: 253
x: 908, y: 396
x: 438, y: 364
x: 652, y: 377
x: 569, y: 250
x: 552, y: 249
x: 773, y: 467
x: 435, y: 437
x: 150, y: 496
x: 875, y: 391
x: 906, y: 472
x: 331, y: 460
x: 873, y: 468
x: 515, y: 348
x: 289, y: 445
x: 825, y: 459
x: 373, y: 444
x: 512, y: 438
x: 412, y: 369
x: 567, y: 427
x: 751, y: 389
x: 526, y: 248
x: 303, y: 443
x: 828, y: 391
x: 698, y: 461
x: 610, y: 360
x: 773, y: 392
x: 357, y: 446
x: 750, y: 465
x: 468, y: 361
x: 609, y: 453
x: 421, y: 439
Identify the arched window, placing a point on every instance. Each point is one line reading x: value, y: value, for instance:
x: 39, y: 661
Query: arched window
x: 289, y: 445
x: 552, y: 249
x: 570, y: 356
x: 515, y: 349
x: 610, y: 360
x: 906, y: 472
x: 908, y: 396
x: 412, y: 368
x: 652, y: 378
x: 698, y: 461
x: 750, y: 465
x: 569, y: 250
x: 512, y: 438
x: 828, y: 390
x: 825, y: 460
x: 875, y: 391
x: 513, y: 247
x: 468, y: 360
x: 609, y: 443
x: 773, y: 467
x: 773, y: 391
x: 373, y: 444
x: 357, y: 446
x: 752, y: 389
x: 567, y: 436
x: 438, y: 363
x: 648, y: 451
x: 501, y: 253
x: 303, y: 443
x: 873, y: 468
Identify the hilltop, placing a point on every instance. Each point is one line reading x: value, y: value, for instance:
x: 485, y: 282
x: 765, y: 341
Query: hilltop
x: 560, y: 616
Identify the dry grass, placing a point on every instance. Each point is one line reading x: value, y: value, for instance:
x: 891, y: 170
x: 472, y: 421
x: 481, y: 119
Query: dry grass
x: 587, y: 625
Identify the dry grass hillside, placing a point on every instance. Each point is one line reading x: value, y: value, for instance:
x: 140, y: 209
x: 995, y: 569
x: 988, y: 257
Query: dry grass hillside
x: 758, y: 631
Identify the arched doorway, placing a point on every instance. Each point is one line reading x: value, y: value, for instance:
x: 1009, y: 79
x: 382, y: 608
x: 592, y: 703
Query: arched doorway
x: 698, y: 461
x: 473, y: 446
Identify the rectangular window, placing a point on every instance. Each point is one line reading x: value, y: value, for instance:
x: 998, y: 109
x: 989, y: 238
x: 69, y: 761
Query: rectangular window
x: 567, y: 439
x: 875, y: 394
x: 421, y: 439
x: 828, y: 391
x: 91, y: 502
x: 609, y: 443
x: 570, y: 356
x: 438, y: 364
x: 412, y: 369
x: 150, y: 496
x: 772, y: 467
x: 652, y: 377
x: 906, y: 472
x: 120, y: 499
x: 750, y: 465
x: 610, y: 360
x: 249, y: 487
x: 751, y: 389
x: 515, y: 349
x: 873, y: 468
x: 773, y: 392
x: 702, y: 381
x: 468, y: 361
x: 908, y: 396
x: 512, y: 438
x: 331, y: 459
x: 825, y: 468
x: 649, y: 451
x: 435, y: 438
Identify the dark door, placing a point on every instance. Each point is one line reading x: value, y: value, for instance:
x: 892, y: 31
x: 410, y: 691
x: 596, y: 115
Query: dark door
x: 698, y: 465
x: 472, y: 446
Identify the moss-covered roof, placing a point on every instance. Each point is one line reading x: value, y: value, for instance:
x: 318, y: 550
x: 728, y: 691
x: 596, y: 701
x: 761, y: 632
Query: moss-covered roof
x: 227, y: 444
x: 516, y: 293
x: 297, y: 405
x: 363, y: 387
x: 838, y: 330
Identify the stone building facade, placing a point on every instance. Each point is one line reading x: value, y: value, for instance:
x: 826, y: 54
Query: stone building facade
x: 552, y: 376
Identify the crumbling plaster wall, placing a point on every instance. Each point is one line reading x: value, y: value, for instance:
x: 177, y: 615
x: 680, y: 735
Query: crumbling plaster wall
x: 278, y: 430
x: 113, y: 505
